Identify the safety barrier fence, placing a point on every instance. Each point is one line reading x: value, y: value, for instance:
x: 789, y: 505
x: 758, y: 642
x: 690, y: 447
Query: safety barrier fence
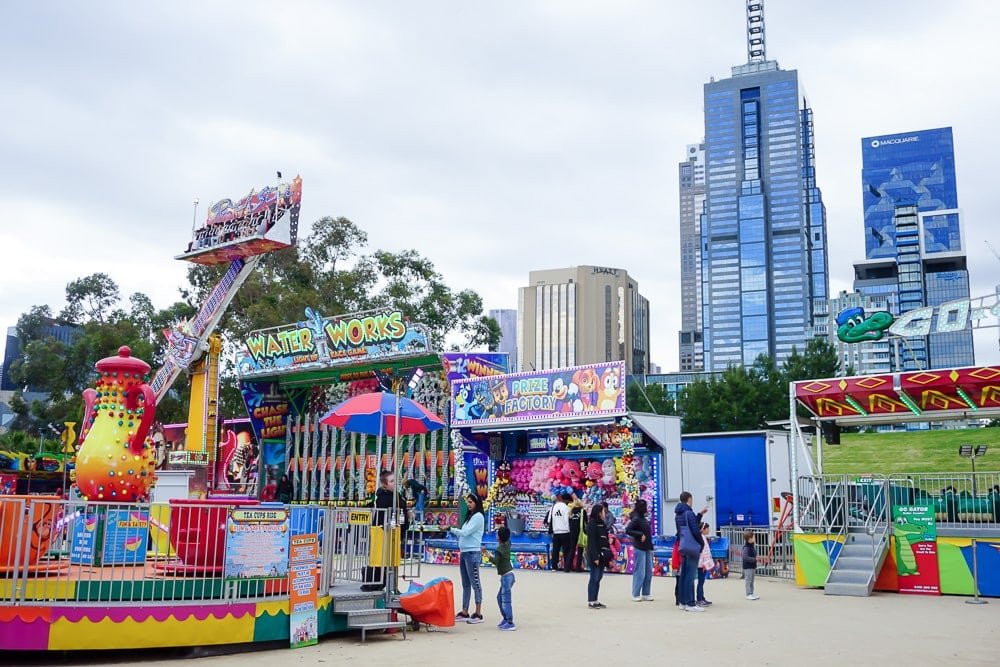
x: 59, y: 551
x: 961, y: 501
x: 775, y: 553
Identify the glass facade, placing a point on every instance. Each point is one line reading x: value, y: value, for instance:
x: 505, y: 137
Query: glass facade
x: 910, y: 169
x: 765, y: 285
x: 913, y: 238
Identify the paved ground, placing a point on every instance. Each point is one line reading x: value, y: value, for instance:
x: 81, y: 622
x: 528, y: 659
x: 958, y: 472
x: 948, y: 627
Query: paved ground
x: 787, y: 626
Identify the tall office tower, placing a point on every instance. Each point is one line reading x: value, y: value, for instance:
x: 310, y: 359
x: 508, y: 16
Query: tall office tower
x: 582, y: 315
x: 915, y: 254
x: 765, y: 284
x: 507, y: 319
x: 691, y: 174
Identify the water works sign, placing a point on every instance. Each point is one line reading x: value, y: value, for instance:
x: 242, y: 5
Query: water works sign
x: 562, y: 394
x: 321, y: 342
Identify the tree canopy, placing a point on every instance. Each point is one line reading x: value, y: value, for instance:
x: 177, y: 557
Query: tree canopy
x: 746, y: 398
x: 332, y: 270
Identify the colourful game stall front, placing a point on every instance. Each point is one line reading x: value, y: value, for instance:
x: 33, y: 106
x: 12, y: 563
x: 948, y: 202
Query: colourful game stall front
x: 531, y: 437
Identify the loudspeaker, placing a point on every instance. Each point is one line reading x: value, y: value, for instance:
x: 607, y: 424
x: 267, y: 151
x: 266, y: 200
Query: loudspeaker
x: 831, y: 433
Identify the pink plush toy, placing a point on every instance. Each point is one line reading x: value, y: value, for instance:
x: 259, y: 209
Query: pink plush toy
x: 572, y: 474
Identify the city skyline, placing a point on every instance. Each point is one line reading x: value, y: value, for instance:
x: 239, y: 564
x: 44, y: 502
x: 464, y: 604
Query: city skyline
x: 562, y: 151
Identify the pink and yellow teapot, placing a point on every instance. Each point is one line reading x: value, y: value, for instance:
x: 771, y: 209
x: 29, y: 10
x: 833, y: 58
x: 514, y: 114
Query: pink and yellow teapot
x: 114, y: 462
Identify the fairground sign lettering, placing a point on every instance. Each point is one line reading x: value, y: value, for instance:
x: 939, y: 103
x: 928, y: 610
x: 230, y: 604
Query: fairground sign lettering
x: 855, y: 326
x: 327, y: 341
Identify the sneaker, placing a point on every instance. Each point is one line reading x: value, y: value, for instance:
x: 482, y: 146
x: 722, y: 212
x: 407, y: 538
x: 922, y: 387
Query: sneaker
x: 509, y: 627
x: 474, y: 619
x: 600, y: 605
x: 462, y: 616
x: 694, y: 608
x: 701, y: 603
x: 636, y: 598
x: 501, y: 624
x: 647, y: 598
x: 752, y: 597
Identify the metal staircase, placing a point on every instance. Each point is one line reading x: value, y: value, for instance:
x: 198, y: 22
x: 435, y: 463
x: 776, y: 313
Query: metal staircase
x: 857, y: 565
x: 363, y: 613
x: 854, y: 515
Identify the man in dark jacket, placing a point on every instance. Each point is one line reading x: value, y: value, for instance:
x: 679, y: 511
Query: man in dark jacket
x: 375, y: 576
x: 691, y: 543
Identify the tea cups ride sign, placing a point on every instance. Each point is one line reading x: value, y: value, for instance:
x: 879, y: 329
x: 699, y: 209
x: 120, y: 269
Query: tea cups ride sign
x: 114, y: 462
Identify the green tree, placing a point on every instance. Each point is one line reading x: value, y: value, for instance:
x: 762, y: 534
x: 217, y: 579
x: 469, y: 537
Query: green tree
x: 818, y: 361
x: 650, y: 398
x: 90, y: 298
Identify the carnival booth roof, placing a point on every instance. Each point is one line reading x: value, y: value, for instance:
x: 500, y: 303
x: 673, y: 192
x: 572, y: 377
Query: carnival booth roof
x: 950, y: 393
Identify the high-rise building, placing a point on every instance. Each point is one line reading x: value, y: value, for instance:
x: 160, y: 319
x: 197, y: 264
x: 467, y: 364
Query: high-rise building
x: 691, y: 176
x: 507, y: 319
x: 765, y: 285
x: 582, y: 315
x: 914, y: 247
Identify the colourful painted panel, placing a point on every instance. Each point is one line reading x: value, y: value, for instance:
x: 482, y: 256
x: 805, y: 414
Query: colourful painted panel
x: 812, y: 561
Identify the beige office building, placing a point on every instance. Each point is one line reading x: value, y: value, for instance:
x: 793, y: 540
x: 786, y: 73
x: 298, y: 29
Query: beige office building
x: 582, y: 315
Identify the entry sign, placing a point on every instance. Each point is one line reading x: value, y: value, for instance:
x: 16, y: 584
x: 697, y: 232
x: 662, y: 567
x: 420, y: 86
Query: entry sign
x: 302, y: 593
x: 359, y: 518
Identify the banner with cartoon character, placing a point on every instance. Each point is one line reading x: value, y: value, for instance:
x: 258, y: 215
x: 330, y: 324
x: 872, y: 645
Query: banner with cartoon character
x: 915, y: 532
x: 461, y: 365
x: 594, y: 390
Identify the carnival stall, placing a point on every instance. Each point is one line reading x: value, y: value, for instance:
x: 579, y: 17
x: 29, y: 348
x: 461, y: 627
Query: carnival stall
x: 536, y: 435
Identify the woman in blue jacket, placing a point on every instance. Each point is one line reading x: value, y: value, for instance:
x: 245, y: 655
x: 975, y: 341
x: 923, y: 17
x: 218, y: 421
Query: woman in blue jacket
x: 470, y: 544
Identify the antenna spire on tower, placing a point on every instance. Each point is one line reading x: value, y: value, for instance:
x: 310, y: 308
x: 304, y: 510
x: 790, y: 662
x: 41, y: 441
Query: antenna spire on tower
x: 756, y: 51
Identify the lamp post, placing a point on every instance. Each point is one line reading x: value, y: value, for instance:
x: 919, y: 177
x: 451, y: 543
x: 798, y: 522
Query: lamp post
x: 973, y: 453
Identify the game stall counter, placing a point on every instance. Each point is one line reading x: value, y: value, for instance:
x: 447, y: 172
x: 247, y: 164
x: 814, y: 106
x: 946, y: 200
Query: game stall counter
x: 530, y: 437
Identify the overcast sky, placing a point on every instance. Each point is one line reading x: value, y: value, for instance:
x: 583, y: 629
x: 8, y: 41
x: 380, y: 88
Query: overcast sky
x: 493, y: 137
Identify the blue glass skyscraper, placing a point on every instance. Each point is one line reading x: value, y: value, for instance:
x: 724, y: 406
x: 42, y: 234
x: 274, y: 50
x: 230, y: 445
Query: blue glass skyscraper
x: 914, y: 249
x: 765, y: 284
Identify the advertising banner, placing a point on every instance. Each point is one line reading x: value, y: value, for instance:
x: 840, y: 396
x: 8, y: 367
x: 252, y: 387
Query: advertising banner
x: 302, y: 590
x: 268, y: 409
x: 325, y: 342
x: 595, y: 390
x: 915, y: 531
x: 256, y: 544
x: 462, y: 365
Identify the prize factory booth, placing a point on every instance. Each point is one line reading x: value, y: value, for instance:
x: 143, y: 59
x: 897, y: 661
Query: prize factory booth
x: 527, y: 438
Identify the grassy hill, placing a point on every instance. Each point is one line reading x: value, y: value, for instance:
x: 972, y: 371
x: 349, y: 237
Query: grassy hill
x: 911, y: 451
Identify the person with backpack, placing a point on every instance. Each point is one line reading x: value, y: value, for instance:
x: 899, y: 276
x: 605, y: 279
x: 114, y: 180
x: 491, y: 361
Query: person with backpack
x: 558, y: 523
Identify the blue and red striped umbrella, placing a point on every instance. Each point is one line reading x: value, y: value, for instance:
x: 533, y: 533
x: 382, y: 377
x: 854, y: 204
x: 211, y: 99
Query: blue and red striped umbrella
x: 375, y: 414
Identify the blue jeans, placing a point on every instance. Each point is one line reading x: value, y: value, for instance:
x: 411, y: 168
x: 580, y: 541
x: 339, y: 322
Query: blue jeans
x: 689, y: 573
x: 468, y: 565
x: 503, y: 597
x: 594, y: 585
x: 702, y: 574
x: 642, y: 575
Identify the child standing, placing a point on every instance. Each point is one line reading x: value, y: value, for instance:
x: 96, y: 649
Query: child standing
x: 705, y: 565
x: 749, y: 564
x: 501, y: 559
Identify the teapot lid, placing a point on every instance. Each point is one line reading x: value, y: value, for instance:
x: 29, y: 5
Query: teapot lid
x: 124, y: 362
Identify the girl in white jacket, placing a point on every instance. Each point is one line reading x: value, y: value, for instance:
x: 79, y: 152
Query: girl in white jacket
x: 705, y: 565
